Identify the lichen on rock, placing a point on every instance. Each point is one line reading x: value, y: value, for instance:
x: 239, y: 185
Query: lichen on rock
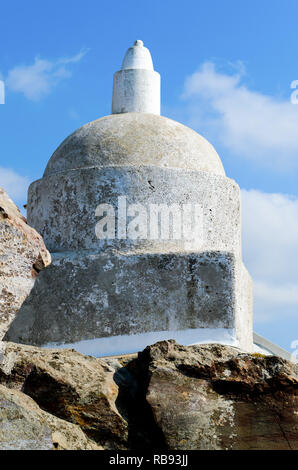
x: 168, y: 397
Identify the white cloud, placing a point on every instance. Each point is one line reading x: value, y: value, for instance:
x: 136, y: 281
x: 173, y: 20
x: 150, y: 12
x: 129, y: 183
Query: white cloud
x: 14, y: 184
x: 270, y: 251
x: 37, y: 80
x: 252, y: 125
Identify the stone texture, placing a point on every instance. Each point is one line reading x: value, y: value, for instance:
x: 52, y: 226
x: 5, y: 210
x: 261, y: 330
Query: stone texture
x: 169, y: 397
x: 113, y: 294
x: 215, y: 397
x: 77, y: 389
x: 22, y: 256
x: 24, y: 426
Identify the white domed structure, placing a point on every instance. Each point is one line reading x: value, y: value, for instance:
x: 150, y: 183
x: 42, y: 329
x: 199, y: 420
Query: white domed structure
x: 134, y: 139
x: 144, y: 229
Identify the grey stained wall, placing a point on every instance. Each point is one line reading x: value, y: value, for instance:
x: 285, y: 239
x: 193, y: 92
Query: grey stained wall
x: 100, y: 295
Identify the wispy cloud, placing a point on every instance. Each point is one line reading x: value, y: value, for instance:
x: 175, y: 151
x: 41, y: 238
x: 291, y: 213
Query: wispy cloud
x: 270, y: 249
x: 14, y: 184
x: 38, y: 79
x: 252, y: 125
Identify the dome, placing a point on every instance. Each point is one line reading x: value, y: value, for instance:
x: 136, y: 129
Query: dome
x: 134, y: 139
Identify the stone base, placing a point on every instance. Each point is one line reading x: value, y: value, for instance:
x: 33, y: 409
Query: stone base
x: 94, y: 296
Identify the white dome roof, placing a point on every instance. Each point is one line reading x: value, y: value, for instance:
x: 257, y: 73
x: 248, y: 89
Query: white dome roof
x: 134, y: 139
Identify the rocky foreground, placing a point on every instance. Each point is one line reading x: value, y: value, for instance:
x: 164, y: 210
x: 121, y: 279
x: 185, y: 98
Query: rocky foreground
x: 166, y: 397
x: 22, y: 256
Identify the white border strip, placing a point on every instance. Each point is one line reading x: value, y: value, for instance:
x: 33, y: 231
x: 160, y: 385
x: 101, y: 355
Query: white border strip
x: 127, y: 344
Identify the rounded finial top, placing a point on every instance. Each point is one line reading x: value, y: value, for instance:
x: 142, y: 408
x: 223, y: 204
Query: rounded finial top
x: 137, y: 57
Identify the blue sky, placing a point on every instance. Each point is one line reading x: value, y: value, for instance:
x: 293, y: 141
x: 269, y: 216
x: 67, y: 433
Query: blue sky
x: 226, y: 69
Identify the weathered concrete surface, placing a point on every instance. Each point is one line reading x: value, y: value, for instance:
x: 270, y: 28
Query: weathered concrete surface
x: 111, y: 294
x: 62, y: 207
x: 169, y: 397
x: 134, y: 139
x: 22, y: 255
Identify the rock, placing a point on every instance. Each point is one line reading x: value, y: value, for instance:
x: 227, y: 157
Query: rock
x: 75, y: 388
x: 215, y: 397
x: 22, y: 255
x: 168, y: 397
x: 24, y: 426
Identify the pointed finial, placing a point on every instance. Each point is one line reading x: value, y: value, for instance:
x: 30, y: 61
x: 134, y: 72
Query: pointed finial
x: 136, y: 86
x: 137, y: 57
